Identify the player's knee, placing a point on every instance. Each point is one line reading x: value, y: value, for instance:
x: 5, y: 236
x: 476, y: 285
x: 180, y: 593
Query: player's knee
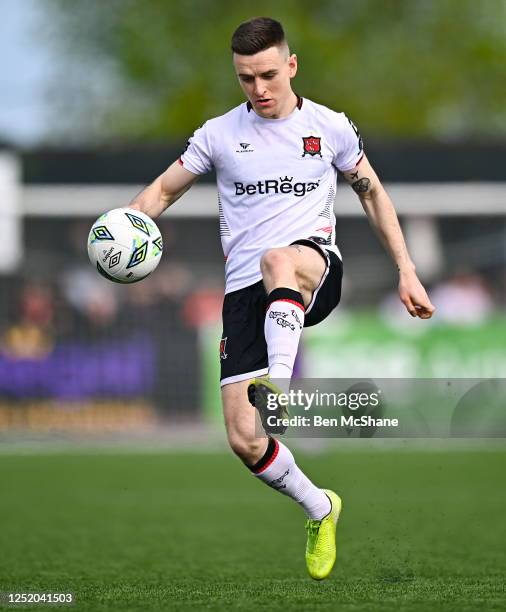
x: 275, y: 260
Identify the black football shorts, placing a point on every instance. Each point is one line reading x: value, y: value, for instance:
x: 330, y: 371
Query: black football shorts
x: 243, y: 350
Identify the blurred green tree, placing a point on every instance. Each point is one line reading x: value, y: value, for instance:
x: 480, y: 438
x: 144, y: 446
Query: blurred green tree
x: 154, y: 70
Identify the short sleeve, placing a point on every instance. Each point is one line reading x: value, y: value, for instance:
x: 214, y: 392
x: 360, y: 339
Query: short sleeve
x: 349, y: 147
x: 197, y: 157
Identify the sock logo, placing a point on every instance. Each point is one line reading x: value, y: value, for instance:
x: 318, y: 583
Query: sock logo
x: 294, y: 314
x: 273, y: 314
x: 285, y: 323
x: 277, y: 482
x: 282, y: 321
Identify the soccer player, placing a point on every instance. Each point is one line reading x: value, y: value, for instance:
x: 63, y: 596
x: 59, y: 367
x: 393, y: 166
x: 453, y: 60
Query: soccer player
x: 276, y: 158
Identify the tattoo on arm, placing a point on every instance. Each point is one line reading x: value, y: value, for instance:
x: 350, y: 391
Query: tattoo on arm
x: 361, y: 186
x: 296, y: 246
x: 354, y: 175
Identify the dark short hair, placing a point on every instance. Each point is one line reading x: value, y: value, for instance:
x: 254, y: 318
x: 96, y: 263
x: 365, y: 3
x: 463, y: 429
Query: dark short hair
x: 257, y: 35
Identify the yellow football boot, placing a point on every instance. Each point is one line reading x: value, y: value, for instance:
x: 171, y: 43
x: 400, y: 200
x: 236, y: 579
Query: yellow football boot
x: 321, y: 540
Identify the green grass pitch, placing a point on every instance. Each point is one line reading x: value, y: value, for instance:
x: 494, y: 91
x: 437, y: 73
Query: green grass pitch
x: 420, y: 530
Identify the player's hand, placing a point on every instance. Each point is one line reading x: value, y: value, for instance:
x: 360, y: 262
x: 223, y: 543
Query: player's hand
x: 414, y: 296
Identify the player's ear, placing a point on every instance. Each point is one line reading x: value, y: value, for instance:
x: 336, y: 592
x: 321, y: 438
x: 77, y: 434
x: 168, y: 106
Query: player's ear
x: 292, y: 65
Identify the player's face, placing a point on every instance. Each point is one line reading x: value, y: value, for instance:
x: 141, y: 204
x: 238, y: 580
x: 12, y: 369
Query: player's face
x: 265, y: 79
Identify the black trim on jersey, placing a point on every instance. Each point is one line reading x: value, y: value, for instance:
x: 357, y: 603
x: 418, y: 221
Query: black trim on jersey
x: 300, y: 99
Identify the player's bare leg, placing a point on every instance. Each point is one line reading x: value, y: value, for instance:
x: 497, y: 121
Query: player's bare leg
x: 296, y: 266
x: 267, y: 458
x: 240, y: 417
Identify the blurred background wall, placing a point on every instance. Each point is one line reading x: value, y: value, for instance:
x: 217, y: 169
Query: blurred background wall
x: 99, y: 98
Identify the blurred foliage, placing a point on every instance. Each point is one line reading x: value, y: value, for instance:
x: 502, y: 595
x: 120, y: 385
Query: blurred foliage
x: 155, y: 70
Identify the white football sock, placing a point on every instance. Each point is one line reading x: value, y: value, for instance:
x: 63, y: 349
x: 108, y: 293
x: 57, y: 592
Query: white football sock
x: 278, y: 470
x: 284, y: 321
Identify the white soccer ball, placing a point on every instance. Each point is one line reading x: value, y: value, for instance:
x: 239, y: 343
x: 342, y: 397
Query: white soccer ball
x: 125, y: 245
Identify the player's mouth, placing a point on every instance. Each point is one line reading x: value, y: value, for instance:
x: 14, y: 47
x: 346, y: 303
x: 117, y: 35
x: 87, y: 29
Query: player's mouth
x: 263, y: 102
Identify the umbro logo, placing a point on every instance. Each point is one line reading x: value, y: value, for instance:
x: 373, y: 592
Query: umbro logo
x: 246, y: 147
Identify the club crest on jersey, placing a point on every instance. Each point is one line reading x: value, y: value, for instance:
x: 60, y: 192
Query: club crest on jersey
x: 223, y: 344
x: 312, y: 146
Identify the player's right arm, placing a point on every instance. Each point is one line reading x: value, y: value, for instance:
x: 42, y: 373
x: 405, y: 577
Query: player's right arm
x: 164, y: 190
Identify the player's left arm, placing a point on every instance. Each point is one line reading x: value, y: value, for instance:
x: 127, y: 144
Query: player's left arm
x: 382, y: 216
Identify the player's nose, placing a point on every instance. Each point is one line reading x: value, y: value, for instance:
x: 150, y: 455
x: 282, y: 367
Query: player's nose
x: 259, y: 89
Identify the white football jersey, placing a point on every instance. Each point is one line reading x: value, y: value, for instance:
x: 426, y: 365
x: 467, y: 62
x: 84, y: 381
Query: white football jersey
x: 276, y: 179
